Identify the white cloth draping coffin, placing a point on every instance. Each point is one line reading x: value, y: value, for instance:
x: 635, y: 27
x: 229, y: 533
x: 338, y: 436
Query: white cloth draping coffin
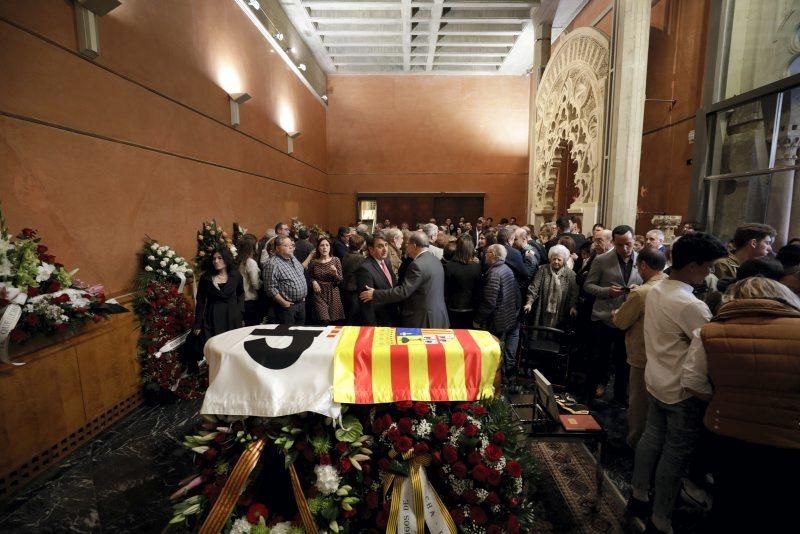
x: 271, y: 370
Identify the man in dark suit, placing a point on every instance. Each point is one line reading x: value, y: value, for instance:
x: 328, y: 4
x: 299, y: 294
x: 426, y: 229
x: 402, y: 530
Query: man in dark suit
x: 422, y: 290
x: 302, y: 247
x: 563, y: 224
x: 376, y: 273
x: 339, y: 248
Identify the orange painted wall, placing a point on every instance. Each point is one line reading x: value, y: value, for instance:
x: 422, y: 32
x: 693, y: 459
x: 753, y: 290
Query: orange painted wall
x: 428, y: 134
x: 96, y: 154
x: 678, y: 30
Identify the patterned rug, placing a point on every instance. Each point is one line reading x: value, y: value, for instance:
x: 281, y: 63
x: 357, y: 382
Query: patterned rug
x: 573, y: 470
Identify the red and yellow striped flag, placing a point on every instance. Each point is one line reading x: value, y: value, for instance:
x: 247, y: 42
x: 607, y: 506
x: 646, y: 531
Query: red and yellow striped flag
x: 379, y: 364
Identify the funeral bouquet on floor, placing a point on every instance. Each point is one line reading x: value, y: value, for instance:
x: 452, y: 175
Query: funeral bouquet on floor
x: 165, y: 318
x: 467, y: 462
x: 38, y: 295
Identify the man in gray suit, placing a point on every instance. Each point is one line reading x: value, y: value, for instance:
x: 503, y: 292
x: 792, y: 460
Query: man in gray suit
x: 611, y: 277
x: 422, y: 291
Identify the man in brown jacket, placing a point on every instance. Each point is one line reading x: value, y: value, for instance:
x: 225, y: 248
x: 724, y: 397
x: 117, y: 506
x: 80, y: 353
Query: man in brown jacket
x: 750, y: 241
x: 630, y: 317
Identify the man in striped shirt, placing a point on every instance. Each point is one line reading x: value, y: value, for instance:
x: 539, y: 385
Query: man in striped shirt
x: 285, y: 283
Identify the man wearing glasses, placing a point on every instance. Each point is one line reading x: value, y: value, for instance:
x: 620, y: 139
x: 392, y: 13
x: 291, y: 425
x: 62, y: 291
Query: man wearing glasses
x: 285, y: 283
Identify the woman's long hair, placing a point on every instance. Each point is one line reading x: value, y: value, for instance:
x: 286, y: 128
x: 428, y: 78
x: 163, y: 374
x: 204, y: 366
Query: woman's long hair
x: 227, y: 257
x: 465, y: 250
x: 246, y: 248
x: 319, y: 241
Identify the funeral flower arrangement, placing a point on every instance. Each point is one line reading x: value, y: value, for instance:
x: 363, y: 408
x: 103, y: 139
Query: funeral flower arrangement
x: 210, y: 238
x: 50, y: 299
x: 163, y: 263
x: 352, y: 476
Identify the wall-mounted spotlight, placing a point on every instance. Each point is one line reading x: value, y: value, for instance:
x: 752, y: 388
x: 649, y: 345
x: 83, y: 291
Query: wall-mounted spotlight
x: 290, y: 137
x: 325, y: 98
x: 236, y: 99
x: 290, y: 50
x: 302, y: 66
x: 279, y: 36
x: 86, y: 13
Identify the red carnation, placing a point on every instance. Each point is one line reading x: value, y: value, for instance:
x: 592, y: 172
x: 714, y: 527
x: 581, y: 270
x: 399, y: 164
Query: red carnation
x: 479, y: 409
x: 341, y: 447
x: 462, y: 406
x: 513, y: 524
x: 492, y: 499
x: 404, y: 405
x: 372, y: 500
x: 514, y: 501
x: 404, y: 424
x: 403, y: 444
x: 494, y: 529
x: 478, y: 515
x: 440, y: 431
x: 393, y: 433
x: 324, y: 459
x: 383, y: 464
x: 420, y: 448
x: 33, y: 291
x: 450, y: 454
x: 474, y: 457
x: 345, y: 465
x: 480, y: 472
x: 437, y: 457
x: 32, y: 320
x: 41, y: 249
x: 498, y: 437
x: 460, y: 470
x: 421, y: 409
x: 378, y: 426
x: 458, y: 419
x: 493, y: 452
x: 514, y: 468
x: 494, y: 477
x: 471, y: 431
x: 255, y: 511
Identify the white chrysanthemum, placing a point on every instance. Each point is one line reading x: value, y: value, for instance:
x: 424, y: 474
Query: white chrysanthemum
x: 281, y: 528
x: 163, y: 263
x: 241, y: 526
x: 327, y: 479
x: 422, y: 428
x: 481, y: 494
x: 148, y: 268
x: 170, y: 253
x: 44, y: 271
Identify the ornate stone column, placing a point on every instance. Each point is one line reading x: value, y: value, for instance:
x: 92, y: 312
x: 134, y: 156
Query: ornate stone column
x: 783, y: 206
x: 630, y: 42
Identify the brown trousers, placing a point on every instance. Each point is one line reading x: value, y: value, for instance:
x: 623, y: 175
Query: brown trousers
x: 637, y: 406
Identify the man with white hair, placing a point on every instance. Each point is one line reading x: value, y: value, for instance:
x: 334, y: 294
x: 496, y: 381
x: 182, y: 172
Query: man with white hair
x: 654, y: 239
x: 499, y: 307
x: 432, y: 231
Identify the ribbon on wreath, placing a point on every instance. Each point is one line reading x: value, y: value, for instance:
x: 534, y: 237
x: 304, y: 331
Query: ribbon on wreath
x: 10, y: 317
x: 415, y: 502
x: 172, y: 344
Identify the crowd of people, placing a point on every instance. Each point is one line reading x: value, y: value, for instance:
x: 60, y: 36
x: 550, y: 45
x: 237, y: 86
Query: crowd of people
x: 700, y: 340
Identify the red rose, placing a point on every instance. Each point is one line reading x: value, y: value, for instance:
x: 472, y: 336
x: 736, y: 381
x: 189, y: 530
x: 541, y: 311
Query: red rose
x: 494, y: 529
x: 348, y: 514
x: 324, y: 459
x: 478, y: 409
x: 18, y: 336
x: 440, y: 431
x: 513, y: 524
x: 33, y: 291
x: 474, y: 457
x: 450, y: 454
x: 383, y: 464
x: 514, y: 501
x: 96, y: 318
x: 421, y: 409
x: 421, y: 448
x: 404, y: 405
x: 32, y: 320
x: 403, y: 444
x: 378, y: 426
x: 460, y: 470
x: 382, y: 519
x: 404, y: 424
x: 393, y: 433
x: 471, y: 431
x: 372, y: 500
x: 255, y: 511
x: 462, y: 406
x: 458, y: 419
x: 437, y: 457
x: 478, y: 515
x: 493, y: 452
x: 458, y: 516
x: 341, y: 447
x: 345, y: 465
x: 498, y: 437
x: 494, y: 477
x: 492, y: 499
x: 41, y: 249
x: 480, y: 472
x: 514, y: 468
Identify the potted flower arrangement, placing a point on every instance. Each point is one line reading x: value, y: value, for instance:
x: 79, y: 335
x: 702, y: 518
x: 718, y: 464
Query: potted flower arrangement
x: 211, y: 236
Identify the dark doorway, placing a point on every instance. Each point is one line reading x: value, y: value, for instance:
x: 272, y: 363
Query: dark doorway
x: 566, y: 192
x: 420, y: 207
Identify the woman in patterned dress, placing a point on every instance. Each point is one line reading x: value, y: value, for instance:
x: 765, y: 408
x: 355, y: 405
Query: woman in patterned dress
x: 325, y: 272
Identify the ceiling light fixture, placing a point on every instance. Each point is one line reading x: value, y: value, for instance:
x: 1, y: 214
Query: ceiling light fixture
x: 279, y: 36
x: 302, y: 66
x: 235, y: 100
x: 254, y: 4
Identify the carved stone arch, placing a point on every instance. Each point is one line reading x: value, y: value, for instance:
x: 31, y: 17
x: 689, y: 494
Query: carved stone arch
x: 570, y: 106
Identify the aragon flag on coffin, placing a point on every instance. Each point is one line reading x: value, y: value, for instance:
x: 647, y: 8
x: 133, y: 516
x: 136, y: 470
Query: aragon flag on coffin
x: 275, y: 370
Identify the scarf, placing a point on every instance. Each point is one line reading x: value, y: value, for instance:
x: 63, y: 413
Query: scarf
x: 554, y: 295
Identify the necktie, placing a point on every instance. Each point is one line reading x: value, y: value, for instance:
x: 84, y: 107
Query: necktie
x: 385, y: 272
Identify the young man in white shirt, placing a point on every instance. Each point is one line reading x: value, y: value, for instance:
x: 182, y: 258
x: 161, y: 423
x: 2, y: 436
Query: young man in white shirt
x: 674, y: 416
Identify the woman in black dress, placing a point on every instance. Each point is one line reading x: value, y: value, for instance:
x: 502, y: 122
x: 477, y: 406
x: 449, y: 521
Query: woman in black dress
x: 462, y: 275
x: 220, y: 296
